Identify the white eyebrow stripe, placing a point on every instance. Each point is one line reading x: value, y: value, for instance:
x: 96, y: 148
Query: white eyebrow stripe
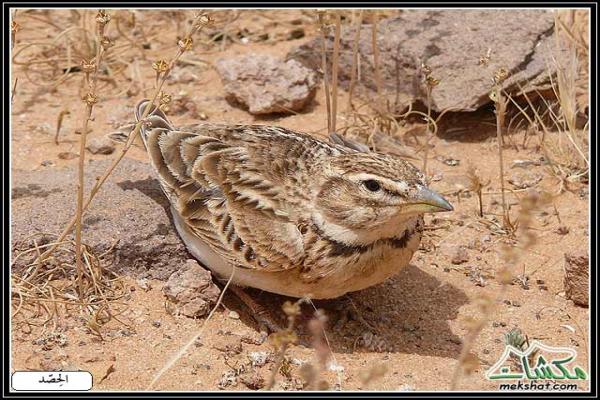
x: 400, y: 186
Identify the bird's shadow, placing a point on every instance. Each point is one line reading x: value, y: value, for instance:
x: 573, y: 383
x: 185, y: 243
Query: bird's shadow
x: 408, y: 313
x: 149, y: 187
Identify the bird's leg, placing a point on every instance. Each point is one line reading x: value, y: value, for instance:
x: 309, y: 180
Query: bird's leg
x: 349, y: 311
x: 261, y: 315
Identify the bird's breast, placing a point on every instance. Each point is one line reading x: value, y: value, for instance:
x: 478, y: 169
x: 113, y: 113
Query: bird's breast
x: 340, y: 268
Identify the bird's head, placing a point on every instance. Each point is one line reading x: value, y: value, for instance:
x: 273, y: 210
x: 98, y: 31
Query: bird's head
x: 366, y: 196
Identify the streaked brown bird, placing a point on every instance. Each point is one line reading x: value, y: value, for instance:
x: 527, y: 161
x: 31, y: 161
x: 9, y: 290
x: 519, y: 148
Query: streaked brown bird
x: 296, y: 215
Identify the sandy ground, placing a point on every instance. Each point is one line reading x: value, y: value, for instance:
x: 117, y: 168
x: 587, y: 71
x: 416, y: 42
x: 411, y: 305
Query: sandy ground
x: 418, y: 318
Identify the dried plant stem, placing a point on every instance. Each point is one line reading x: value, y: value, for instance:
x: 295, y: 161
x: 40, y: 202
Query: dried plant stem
x: 283, y: 339
x: 90, y: 100
x: 100, y: 180
x: 334, y: 70
x: 61, y: 117
x: 14, y: 91
x: 323, y: 30
x: 13, y: 35
x: 354, y: 70
x: 500, y: 108
x: 375, y: 48
x: 428, y: 133
x: 199, y: 21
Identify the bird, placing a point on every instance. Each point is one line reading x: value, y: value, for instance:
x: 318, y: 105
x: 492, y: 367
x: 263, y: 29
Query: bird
x: 292, y: 214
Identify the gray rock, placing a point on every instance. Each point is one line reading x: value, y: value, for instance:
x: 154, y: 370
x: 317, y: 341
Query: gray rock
x: 460, y: 255
x: 101, y: 145
x: 130, y: 208
x: 451, y: 43
x: 576, y: 280
x: 525, y: 179
x: 265, y: 84
x: 192, y: 290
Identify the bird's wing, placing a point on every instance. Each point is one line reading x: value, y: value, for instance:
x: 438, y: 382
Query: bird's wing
x: 225, y: 192
x: 351, y: 144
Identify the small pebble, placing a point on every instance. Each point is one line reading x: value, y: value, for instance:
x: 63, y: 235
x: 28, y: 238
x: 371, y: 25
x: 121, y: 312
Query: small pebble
x: 144, y: 284
x: 101, y: 145
x: 460, y: 256
x: 67, y: 155
x: 233, y: 315
x: 297, y: 33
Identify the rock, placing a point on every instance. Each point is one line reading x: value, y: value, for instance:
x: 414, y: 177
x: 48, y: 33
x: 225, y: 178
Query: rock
x: 101, y: 145
x: 524, y: 163
x: 67, y: 155
x: 254, y: 381
x: 192, y: 290
x: 144, y: 284
x: 576, y: 280
x: 233, y: 315
x: 130, y: 208
x: 454, y: 45
x: 266, y: 84
x: 525, y: 179
x: 460, y: 256
x: 296, y: 33
x: 258, y: 358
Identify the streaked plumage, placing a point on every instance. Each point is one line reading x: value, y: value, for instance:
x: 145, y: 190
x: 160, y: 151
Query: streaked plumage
x: 296, y: 215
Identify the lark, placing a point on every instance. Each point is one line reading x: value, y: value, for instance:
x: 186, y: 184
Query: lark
x: 292, y: 214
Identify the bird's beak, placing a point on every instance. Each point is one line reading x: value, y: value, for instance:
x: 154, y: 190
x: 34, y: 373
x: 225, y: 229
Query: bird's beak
x: 428, y: 201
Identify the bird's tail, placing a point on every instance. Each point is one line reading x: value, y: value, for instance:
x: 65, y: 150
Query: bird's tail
x: 156, y: 118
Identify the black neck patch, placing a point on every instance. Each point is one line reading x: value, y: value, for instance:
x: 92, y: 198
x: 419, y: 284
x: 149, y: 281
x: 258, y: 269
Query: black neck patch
x: 342, y: 249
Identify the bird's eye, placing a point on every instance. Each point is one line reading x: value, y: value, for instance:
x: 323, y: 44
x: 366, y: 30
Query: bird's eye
x: 372, y: 185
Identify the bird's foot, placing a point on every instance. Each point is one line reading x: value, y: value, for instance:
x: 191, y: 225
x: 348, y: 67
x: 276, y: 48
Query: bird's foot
x: 349, y: 311
x: 262, y: 316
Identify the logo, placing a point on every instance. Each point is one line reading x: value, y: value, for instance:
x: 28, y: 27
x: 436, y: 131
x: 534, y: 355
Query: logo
x: 537, y: 362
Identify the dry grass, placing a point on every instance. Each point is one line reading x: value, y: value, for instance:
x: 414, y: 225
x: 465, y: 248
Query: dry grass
x: 44, y: 293
x: 85, y: 271
x: 430, y: 82
x: 499, y: 98
x: 562, y: 117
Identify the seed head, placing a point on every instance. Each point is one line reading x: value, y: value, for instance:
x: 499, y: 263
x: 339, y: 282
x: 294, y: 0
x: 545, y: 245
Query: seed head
x: 185, y: 44
x: 160, y: 66
x: 431, y: 81
x: 291, y: 309
x: 202, y: 20
x: 485, y: 59
x: 102, y: 18
x: 500, y: 76
x: 106, y: 43
x: 88, y: 67
x: 426, y: 69
x: 90, y: 99
x: 164, y: 100
x: 14, y: 27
